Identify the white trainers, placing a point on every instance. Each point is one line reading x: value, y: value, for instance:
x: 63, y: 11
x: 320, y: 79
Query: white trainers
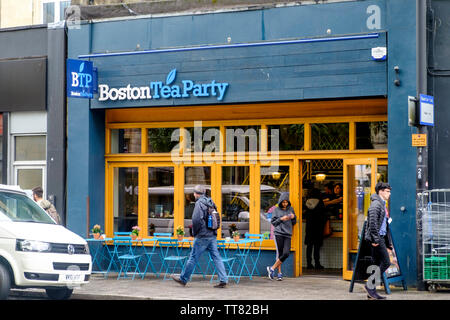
x: 270, y: 273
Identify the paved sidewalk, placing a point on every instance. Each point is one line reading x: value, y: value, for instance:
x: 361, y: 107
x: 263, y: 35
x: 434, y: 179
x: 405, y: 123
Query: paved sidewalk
x: 259, y: 288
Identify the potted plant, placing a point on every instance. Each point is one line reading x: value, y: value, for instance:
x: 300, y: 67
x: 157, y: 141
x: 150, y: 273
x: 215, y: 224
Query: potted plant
x: 135, y: 232
x: 180, y: 232
x: 235, y: 235
x: 231, y: 228
x: 96, y: 231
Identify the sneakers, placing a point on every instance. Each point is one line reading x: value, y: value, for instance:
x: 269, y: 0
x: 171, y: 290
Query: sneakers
x: 280, y: 277
x: 270, y: 273
x: 319, y: 267
x: 179, y: 281
x: 221, y: 285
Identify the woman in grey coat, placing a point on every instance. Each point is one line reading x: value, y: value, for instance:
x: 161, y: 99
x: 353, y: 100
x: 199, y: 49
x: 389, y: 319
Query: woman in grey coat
x: 283, y: 219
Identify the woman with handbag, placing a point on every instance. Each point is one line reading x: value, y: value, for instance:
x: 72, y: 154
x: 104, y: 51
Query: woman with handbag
x: 316, y: 218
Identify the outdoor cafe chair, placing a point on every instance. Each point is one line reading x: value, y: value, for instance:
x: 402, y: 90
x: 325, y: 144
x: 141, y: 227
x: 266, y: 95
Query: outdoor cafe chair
x: 128, y: 260
x: 227, y: 260
x: 255, y: 254
x: 149, y: 254
x: 171, y: 256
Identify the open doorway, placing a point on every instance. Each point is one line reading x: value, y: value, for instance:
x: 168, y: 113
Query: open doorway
x: 322, y: 202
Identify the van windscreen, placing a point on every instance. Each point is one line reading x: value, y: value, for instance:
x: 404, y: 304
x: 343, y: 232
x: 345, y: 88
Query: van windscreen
x: 20, y: 208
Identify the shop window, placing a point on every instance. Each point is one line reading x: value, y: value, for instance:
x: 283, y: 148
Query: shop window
x: 160, y: 199
x: 235, y: 199
x: 329, y: 136
x: 192, y: 177
x: 29, y: 166
x: 126, y: 140
x: 242, y: 139
x: 274, y: 181
x: 163, y: 140
x: 30, y: 148
x: 285, y: 137
x: 371, y: 135
x: 126, y: 199
x: 202, y: 139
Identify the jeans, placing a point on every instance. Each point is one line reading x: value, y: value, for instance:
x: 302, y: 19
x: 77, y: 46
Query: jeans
x: 200, y: 245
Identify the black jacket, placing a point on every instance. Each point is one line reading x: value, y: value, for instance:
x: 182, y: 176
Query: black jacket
x: 375, y: 216
x: 315, y: 217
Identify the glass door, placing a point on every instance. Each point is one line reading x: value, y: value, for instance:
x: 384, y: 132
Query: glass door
x: 359, y: 184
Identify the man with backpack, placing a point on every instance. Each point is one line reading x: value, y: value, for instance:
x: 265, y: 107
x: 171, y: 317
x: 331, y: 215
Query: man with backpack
x: 204, y: 227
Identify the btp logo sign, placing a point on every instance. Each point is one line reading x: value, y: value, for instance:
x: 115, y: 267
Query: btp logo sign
x: 80, y: 79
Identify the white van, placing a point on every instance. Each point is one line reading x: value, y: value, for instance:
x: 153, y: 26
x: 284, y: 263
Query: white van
x: 35, y: 251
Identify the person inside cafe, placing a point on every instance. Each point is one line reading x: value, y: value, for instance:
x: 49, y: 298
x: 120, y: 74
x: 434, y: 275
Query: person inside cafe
x: 333, y: 202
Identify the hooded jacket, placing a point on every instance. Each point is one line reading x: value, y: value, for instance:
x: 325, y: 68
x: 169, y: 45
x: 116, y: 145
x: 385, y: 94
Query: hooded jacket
x: 283, y: 228
x: 199, y: 229
x: 375, y: 216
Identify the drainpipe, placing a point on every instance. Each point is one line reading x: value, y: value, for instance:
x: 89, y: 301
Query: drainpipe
x: 422, y: 152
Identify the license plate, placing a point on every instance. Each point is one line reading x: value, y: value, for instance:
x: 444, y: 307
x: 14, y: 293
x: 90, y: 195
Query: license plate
x: 73, y: 277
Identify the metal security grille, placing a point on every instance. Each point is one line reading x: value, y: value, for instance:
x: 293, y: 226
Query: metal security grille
x: 435, y: 207
x: 330, y: 136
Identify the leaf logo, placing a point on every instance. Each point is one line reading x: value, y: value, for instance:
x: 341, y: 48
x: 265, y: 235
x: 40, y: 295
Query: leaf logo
x: 81, y: 67
x: 171, y: 76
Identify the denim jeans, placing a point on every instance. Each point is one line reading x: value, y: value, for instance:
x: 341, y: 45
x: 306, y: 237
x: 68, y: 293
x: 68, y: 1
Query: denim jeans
x: 200, y: 245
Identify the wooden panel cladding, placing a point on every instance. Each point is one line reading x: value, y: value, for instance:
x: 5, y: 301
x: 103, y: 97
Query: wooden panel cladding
x: 360, y: 107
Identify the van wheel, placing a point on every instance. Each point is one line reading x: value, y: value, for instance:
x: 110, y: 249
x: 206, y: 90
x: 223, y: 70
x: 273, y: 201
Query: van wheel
x: 5, y: 282
x: 59, y: 293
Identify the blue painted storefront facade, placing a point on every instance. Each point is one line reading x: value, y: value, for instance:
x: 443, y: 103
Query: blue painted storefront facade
x: 307, y: 52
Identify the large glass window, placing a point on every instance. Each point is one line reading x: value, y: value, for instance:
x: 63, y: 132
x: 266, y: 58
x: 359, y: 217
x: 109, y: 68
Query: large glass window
x: 160, y: 199
x: 202, y: 139
x: 285, y: 137
x: 126, y: 200
x: 371, y: 135
x: 273, y: 182
x: 192, y: 177
x: 235, y: 199
x: 329, y: 136
x: 163, y: 140
x: 126, y: 140
x: 242, y: 139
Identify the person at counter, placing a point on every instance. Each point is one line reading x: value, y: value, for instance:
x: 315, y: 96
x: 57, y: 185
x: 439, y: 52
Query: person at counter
x: 333, y: 202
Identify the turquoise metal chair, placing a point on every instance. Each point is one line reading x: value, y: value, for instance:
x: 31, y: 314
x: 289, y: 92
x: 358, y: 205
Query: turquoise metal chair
x: 149, y: 254
x: 227, y: 259
x: 128, y: 260
x: 171, y: 256
x: 255, y: 254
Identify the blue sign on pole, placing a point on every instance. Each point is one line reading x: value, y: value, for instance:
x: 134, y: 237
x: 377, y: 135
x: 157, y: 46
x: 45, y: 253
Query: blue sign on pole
x: 80, y: 79
x: 426, y: 110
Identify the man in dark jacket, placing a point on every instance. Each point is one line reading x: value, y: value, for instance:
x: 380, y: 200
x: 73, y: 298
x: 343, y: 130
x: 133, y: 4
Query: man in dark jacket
x: 377, y: 233
x: 205, y: 239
